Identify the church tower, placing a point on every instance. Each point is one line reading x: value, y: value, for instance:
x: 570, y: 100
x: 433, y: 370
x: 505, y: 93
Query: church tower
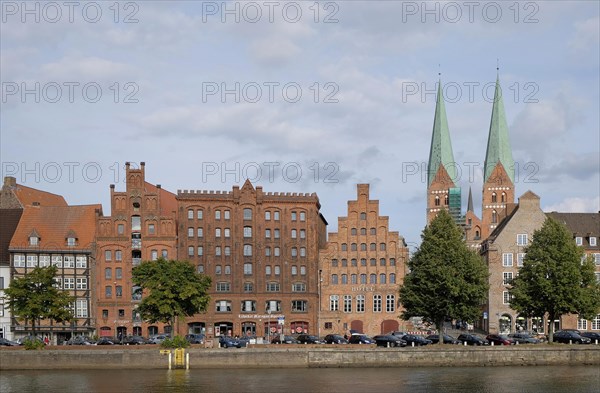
x: 442, y: 192
x: 499, y: 166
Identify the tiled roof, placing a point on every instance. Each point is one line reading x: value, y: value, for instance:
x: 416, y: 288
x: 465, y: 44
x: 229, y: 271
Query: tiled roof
x: 168, y: 200
x: 27, y: 196
x: 54, y: 224
x: 580, y: 224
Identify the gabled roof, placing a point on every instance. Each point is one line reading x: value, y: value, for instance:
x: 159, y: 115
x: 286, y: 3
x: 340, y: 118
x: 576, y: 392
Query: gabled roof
x: 53, y: 224
x: 580, y: 224
x: 498, y: 147
x: 440, y: 152
x: 28, y: 196
x: 168, y: 200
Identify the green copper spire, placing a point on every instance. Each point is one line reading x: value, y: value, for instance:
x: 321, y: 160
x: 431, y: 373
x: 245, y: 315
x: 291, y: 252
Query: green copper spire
x: 498, y: 148
x: 440, y: 152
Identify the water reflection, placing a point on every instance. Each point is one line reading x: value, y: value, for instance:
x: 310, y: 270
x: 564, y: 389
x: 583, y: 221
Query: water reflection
x: 481, y: 379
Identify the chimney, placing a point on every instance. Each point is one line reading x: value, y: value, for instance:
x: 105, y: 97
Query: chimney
x: 10, y: 181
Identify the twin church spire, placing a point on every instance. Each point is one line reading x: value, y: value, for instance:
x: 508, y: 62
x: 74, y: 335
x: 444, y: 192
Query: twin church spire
x: 498, y: 176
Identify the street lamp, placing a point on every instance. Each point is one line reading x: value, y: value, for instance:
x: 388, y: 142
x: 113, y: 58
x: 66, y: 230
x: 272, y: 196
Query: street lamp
x: 115, y: 310
x: 269, y: 324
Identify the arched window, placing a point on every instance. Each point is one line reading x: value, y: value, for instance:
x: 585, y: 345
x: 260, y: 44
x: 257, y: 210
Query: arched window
x: 437, y: 200
x: 494, y: 197
x: 503, y: 197
x: 494, y: 216
x: 446, y: 200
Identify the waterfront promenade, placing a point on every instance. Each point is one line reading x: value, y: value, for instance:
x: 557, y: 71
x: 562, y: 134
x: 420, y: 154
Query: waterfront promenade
x: 300, y: 356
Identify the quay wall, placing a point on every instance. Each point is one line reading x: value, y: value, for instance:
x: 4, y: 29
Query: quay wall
x: 300, y: 357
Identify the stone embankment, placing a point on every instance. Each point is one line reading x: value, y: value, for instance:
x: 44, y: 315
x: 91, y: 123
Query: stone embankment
x: 301, y: 356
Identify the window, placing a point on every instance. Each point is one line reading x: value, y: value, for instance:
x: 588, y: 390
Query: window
x: 227, y: 214
x: 353, y: 262
x: 120, y: 229
x: 392, y: 278
x: 373, y: 262
x: 294, y: 252
x: 302, y: 251
x: 344, y: 279
x: 277, y: 270
x: 247, y: 231
x: 218, y: 269
x: 70, y: 241
x: 494, y: 197
x: 593, y: 241
x: 136, y: 223
x: 503, y: 197
x: 276, y: 251
x: 68, y: 261
x: 294, y: 233
x: 334, y: 303
x: 596, y: 323
x: 33, y: 240
x: 223, y: 306
x: 505, y: 297
x: 597, y: 259
x: 507, y: 278
x: 268, y: 270
x: 273, y: 287
x: 248, y: 287
x: 119, y: 291
x: 294, y: 270
x: 247, y: 214
x: 191, y: 251
x: 522, y: 239
x: 247, y: 269
x: 294, y: 216
x: 373, y: 247
x: 108, y: 255
x: 302, y: 216
x: 272, y: 305
x: 363, y: 262
x: 227, y: 251
x: 376, y: 303
x: 227, y: 232
x: 392, y: 261
x: 154, y: 254
x: 267, y: 233
x: 302, y: 233
x: 353, y: 231
x: 520, y: 258
x: 108, y: 291
x: 299, y: 305
x: 579, y: 240
x: 217, y: 232
x: 382, y: 262
x: 334, y: 279
x: 582, y: 324
x: 32, y: 261
x: 390, y: 303
x: 363, y: 278
x: 303, y: 270
x: 494, y: 216
x: 382, y: 247
x: 104, y: 314
x: 218, y: 251
x: 81, y: 261
x: 334, y: 263
x: 199, y: 214
x: 353, y: 247
x: 248, y: 305
x: 151, y: 229
x: 217, y: 214
x: 228, y: 269
x: 81, y: 283
x: 360, y: 303
x: 267, y: 216
x: 344, y: 262
x: 437, y: 200
x: 81, y: 308
x: 267, y: 251
x: 58, y: 282
x: 118, y: 273
x: 200, y: 268
x: 344, y: 247
x: 382, y: 279
x: 118, y: 255
x: 363, y: 216
x: 276, y: 216
x: 56, y: 260
x: 353, y: 279
x: 247, y: 250
x: 299, y: 287
x: 507, y: 259
x: 373, y: 279
x: 200, y: 250
x: 223, y: 287
x: 348, y: 303
x: 190, y: 214
x: 190, y: 232
x: 276, y: 233
x: 107, y: 273
x: 363, y: 246
x: 373, y: 231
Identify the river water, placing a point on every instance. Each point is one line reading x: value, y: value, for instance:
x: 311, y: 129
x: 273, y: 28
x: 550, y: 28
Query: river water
x: 546, y: 379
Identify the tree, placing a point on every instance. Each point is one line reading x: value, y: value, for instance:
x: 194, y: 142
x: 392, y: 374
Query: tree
x: 175, y: 290
x: 35, y: 296
x: 555, y: 279
x: 446, y: 278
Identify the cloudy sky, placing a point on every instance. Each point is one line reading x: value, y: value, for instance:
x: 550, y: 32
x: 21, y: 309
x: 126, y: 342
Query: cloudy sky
x: 299, y: 96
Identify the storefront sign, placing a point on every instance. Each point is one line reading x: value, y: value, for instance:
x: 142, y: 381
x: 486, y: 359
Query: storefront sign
x: 363, y: 289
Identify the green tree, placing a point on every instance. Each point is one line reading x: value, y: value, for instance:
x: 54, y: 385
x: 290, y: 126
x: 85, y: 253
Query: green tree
x: 175, y: 290
x: 446, y: 278
x: 35, y: 296
x: 554, y: 279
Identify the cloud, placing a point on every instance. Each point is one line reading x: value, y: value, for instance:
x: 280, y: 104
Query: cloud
x: 86, y: 68
x: 575, y: 205
x: 586, y: 37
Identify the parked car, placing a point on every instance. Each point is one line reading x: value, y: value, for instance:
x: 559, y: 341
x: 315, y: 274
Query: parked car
x: 361, y: 339
x: 523, y: 338
x: 308, y: 339
x: 435, y: 338
x: 591, y: 335
x: 229, y: 342
x: 197, y: 338
x: 157, y: 338
x: 80, y: 340
x: 335, y: 339
x: 472, y: 339
x: 568, y: 337
x: 389, y: 340
x: 106, y: 341
x: 285, y: 340
x: 417, y: 340
x: 134, y: 340
x: 7, y: 343
x: 398, y: 334
x: 499, y: 339
x: 22, y: 340
x: 245, y: 340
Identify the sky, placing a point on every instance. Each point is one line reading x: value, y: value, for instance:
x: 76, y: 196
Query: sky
x: 299, y: 96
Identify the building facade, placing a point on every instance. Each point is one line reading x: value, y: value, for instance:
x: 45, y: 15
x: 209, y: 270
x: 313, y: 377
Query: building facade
x: 142, y: 226
x: 361, y: 271
x: 261, y: 250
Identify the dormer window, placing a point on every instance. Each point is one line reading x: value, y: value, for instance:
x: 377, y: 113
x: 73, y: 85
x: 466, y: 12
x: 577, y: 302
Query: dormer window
x: 71, y: 241
x: 592, y: 241
x: 34, y: 240
x: 579, y: 240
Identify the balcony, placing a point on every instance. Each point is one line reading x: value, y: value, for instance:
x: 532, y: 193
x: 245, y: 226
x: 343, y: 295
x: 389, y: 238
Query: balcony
x: 136, y: 244
x: 136, y: 261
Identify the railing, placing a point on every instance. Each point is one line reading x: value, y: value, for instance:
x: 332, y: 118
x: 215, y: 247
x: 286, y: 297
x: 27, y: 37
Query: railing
x: 136, y: 261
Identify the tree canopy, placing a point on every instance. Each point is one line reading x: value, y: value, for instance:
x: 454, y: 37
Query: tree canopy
x: 174, y: 288
x: 555, y: 278
x: 35, y: 296
x: 446, y: 278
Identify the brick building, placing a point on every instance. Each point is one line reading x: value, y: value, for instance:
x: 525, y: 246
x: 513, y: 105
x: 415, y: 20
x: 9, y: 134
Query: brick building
x: 142, y: 226
x: 261, y: 250
x: 361, y: 271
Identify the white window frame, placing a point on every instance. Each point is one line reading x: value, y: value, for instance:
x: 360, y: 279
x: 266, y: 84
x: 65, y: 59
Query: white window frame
x: 507, y: 259
x: 507, y: 277
x: 592, y: 241
x: 334, y: 303
x: 522, y: 239
x: 579, y: 240
x: 377, y: 303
